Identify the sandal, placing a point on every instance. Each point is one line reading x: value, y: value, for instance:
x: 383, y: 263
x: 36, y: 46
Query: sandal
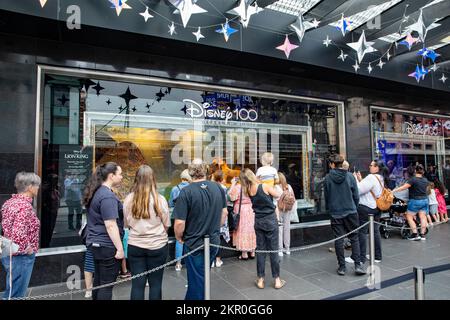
x: 242, y: 258
x: 251, y: 256
x: 259, y: 283
x: 282, y: 283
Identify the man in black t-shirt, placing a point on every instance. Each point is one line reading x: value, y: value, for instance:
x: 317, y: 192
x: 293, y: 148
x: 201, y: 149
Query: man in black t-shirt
x: 200, y: 210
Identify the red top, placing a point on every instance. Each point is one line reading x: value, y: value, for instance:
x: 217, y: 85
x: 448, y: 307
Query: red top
x: 20, y: 223
x: 442, y: 206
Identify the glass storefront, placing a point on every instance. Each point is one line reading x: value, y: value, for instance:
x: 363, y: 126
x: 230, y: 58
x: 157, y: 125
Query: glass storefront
x: 89, y: 121
x: 404, y: 139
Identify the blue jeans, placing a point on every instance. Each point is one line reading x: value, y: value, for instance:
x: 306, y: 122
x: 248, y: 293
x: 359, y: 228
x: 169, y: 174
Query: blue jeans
x: 22, y: 267
x: 195, y: 267
x: 178, y: 249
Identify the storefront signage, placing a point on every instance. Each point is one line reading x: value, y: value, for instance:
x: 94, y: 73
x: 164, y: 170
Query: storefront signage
x: 75, y: 167
x: 204, y: 110
x: 426, y: 130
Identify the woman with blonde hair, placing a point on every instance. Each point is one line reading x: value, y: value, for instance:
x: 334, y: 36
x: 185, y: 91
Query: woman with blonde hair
x: 287, y: 206
x: 266, y: 226
x: 146, y: 214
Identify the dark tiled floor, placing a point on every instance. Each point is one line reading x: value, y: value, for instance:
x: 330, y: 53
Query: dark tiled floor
x: 311, y: 275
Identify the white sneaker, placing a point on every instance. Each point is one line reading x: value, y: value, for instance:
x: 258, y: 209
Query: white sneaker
x: 213, y: 264
x: 178, y: 267
x: 368, y: 258
x: 288, y: 252
x: 349, y: 260
x: 219, y: 263
x: 88, y: 294
x: 280, y: 254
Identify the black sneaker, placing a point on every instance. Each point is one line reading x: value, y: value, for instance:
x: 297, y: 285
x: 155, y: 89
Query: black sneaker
x: 341, y: 271
x: 413, y: 237
x: 359, y: 269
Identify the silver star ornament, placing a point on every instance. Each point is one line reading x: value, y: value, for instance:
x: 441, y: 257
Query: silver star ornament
x: 245, y: 11
x: 362, y: 46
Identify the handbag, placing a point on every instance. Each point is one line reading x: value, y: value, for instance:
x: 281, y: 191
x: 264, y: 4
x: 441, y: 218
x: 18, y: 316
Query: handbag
x: 7, y: 246
x: 83, y: 231
x: 234, y: 217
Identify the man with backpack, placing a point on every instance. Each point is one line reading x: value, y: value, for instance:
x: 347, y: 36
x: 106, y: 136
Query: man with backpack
x: 185, y: 180
x: 342, y: 199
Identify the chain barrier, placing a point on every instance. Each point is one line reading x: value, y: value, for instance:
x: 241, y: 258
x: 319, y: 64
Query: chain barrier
x: 293, y: 249
x: 54, y: 295
x: 406, y: 228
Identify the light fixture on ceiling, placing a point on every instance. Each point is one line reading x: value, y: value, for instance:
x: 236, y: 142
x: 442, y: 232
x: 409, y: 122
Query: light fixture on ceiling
x: 293, y: 7
x: 362, y: 17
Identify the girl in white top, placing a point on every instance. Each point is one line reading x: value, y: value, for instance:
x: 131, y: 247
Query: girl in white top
x: 284, y: 217
x: 434, y: 204
x: 146, y: 214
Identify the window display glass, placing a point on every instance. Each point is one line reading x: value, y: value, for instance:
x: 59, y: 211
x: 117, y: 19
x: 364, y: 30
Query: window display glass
x: 402, y: 140
x: 87, y: 122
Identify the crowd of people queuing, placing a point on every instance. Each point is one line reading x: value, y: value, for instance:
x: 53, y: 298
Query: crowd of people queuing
x: 200, y: 206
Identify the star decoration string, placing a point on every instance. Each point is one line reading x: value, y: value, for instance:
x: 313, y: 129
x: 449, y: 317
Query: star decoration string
x: 226, y: 30
x: 146, y: 14
x: 198, y: 34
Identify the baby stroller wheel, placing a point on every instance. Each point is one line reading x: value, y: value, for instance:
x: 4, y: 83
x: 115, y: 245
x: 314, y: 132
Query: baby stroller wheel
x: 404, y: 232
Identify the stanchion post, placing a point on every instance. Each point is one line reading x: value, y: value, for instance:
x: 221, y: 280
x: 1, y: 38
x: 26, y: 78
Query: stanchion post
x: 419, y: 281
x: 207, y: 269
x: 372, y: 242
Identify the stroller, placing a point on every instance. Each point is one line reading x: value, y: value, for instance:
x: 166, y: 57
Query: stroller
x: 394, y: 219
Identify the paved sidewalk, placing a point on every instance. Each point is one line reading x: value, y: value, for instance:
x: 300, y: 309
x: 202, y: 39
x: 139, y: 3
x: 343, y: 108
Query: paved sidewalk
x: 311, y: 274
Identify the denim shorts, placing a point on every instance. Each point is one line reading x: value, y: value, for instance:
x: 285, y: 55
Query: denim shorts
x: 414, y: 206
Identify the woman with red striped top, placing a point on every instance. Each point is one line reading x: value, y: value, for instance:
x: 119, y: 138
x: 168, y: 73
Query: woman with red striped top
x: 21, y: 225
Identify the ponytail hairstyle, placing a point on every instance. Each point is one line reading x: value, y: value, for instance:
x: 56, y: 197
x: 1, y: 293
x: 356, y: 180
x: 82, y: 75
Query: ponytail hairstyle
x: 144, y: 189
x: 247, y: 179
x: 283, y: 182
x: 99, y: 176
x: 383, y: 171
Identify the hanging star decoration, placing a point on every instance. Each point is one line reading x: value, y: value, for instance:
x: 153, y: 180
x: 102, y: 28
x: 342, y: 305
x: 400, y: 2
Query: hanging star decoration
x: 434, y: 67
x: 315, y: 23
x: 443, y: 78
x: 146, y: 14
x: 409, y: 41
x: 388, y: 56
x: 356, y: 66
x: 184, y: 109
x: 343, y: 25
x: 419, y: 27
x: 187, y: 8
x: 418, y: 73
x: 343, y: 56
x: 160, y: 95
x: 128, y: 96
x: 198, y: 34
x: 119, y: 5
x: 299, y: 27
x: 245, y: 11
x: 428, y: 53
x: 108, y: 102
x: 327, y: 41
x: 362, y: 47
x: 148, y: 107
x: 381, y: 64
x: 172, y: 29
x: 369, y: 68
x: 43, y: 2
x: 63, y: 100
x: 226, y: 30
x: 287, y: 47
x: 98, y: 88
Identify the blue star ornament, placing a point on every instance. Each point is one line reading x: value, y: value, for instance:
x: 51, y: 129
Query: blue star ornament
x: 428, y: 53
x: 226, y: 30
x: 419, y: 73
x: 343, y: 25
